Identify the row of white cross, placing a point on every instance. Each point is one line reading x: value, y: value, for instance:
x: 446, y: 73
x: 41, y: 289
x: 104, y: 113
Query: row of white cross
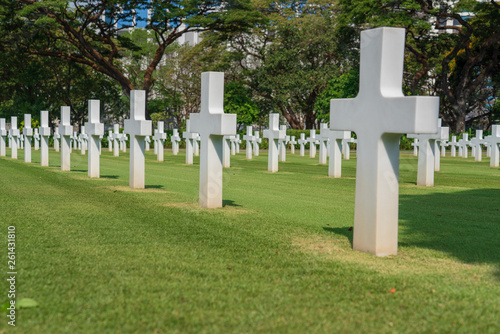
x: 379, y: 115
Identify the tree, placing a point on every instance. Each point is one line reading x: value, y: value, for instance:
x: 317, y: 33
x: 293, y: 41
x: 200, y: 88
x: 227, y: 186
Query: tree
x: 450, y: 54
x: 76, y: 30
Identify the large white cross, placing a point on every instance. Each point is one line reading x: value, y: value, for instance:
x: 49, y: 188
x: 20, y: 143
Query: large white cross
x: 379, y: 115
x: 14, y: 134
x: 160, y: 137
x: 3, y: 134
x: 65, y: 131
x: 273, y: 134
x: 494, y: 141
x: 28, y: 133
x: 212, y: 125
x: 94, y: 129
x: 138, y: 128
x: 45, y: 133
x: 248, y: 138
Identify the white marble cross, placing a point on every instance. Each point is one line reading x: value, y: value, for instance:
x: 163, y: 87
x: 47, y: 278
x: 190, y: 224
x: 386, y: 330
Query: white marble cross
x: 335, y: 162
x: 463, y: 150
x: 3, y: 134
x: 212, y: 125
x: 65, y: 131
x: 428, y: 155
x: 256, y: 140
x: 379, y: 115
x: 443, y: 144
x: 123, y: 141
x: 323, y: 143
x: 138, y: 128
x: 190, y: 138
x: 238, y: 142
x: 302, y: 144
x: 83, y: 140
x: 453, y: 146
x: 160, y: 137
x: 494, y: 140
x: 175, y: 139
x: 14, y: 134
x: 28, y: 133
x: 110, y: 140
x: 313, y: 141
x: 36, y: 139
x: 45, y: 133
x: 293, y: 142
x: 477, y: 143
x: 116, y: 138
x: 147, y: 140
x: 226, y: 151
x: 346, y: 147
x: 282, y: 145
x: 94, y: 129
x: 248, y: 138
x: 56, y: 137
x: 234, y: 142
x: 415, y: 147
x: 273, y: 134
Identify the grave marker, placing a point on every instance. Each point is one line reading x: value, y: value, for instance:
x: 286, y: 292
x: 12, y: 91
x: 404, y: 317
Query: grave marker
x: 494, y: 140
x: 138, y: 128
x: 462, y: 148
x: 3, y: 134
x: 312, y: 140
x: 160, y: 137
x: 56, y: 136
x: 302, y: 143
x: 190, y: 137
x: 65, y: 131
x: 226, y: 151
x: 293, y: 142
x: 45, y: 133
x: 248, y: 138
x: 14, y: 133
x: 94, y: 129
x: 212, y: 124
x: 28, y: 133
x: 415, y: 147
x: 323, y: 143
x: 274, y: 133
x: 110, y: 140
x: 453, y: 146
x: 477, y: 143
x: 282, y: 144
x: 379, y: 115
x: 175, y: 139
x: 256, y: 140
x: 335, y: 163
x: 116, y: 138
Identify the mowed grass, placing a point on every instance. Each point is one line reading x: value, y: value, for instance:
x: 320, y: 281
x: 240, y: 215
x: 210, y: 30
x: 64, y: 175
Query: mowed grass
x: 100, y: 257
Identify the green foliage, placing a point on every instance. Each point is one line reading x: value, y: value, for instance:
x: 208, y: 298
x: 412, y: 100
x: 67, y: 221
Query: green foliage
x: 344, y: 86
x: 237, y: 100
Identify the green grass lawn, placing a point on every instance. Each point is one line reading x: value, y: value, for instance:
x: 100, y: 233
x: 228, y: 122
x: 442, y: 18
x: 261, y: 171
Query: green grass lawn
x: 100, y: 257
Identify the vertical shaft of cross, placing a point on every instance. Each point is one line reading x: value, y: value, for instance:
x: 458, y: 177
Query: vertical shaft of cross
x: 44, y: 133
x: 28, y: 133
x: 3, y: 134
x: 65, y: 130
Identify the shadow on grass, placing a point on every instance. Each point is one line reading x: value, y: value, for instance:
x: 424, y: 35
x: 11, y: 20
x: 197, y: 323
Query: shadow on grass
x: 464, y: 224
x: 109, y: 176
x: 345, y: 231
x: 154, y: 186
x: 227, y: 202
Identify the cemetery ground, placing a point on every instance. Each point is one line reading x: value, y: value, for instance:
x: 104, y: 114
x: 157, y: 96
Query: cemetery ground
x: 99, y: 257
